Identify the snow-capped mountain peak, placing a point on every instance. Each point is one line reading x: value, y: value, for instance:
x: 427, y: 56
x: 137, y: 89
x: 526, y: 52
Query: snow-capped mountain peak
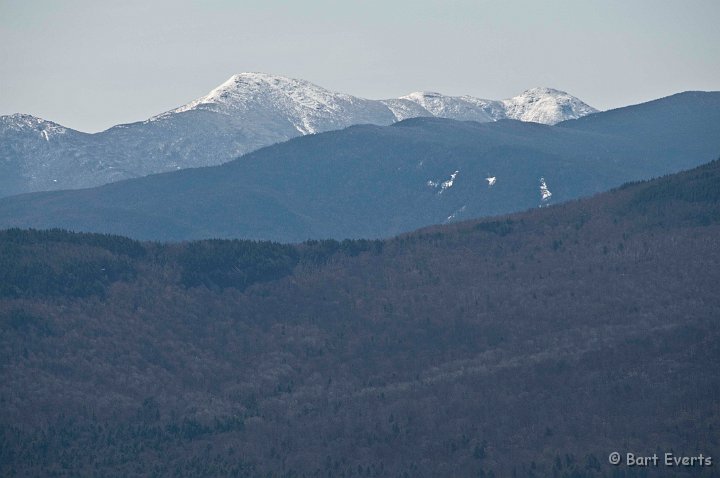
x: 545, y: 105
x: 308, y: 107
x: 540, y: 105
x: 242, y: 89
x: 465, y: 108
x: 28, y: 124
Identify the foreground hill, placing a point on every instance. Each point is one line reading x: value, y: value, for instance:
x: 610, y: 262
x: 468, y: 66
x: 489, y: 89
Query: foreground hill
x: 247, y: 112
x: 372, y: 181
x: 526, y: 345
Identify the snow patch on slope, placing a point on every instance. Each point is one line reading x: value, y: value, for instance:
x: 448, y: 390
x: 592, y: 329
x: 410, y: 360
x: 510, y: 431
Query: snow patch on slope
x: 449, y: 183
x: 545, y: 193
x: 454, y: 215
x: 443, y: 185
x: 403, y: 108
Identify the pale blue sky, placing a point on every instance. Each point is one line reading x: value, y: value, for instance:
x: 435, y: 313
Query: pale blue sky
x: 91, y: 64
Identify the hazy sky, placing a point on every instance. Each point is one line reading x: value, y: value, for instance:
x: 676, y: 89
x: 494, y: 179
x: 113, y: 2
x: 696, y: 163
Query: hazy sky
x: 91, y: 64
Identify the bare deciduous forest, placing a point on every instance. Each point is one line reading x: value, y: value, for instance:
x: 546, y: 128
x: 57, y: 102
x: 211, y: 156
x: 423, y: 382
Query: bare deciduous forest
x: 526, y: 345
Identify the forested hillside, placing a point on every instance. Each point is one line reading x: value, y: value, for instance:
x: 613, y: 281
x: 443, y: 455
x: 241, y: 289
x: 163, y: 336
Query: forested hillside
x: 526, y: 345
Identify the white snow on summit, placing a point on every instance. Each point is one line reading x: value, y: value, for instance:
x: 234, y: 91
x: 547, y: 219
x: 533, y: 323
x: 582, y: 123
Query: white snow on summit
x: 28, y: 124
x: 464, y: 108
x: 273, y: 102
x: 539, y: 105
x: 545, y: 105
x: 273, y: 98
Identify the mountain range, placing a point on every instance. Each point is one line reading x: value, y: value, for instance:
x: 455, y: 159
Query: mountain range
x: 370, y: 181
x: 247, y: 112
